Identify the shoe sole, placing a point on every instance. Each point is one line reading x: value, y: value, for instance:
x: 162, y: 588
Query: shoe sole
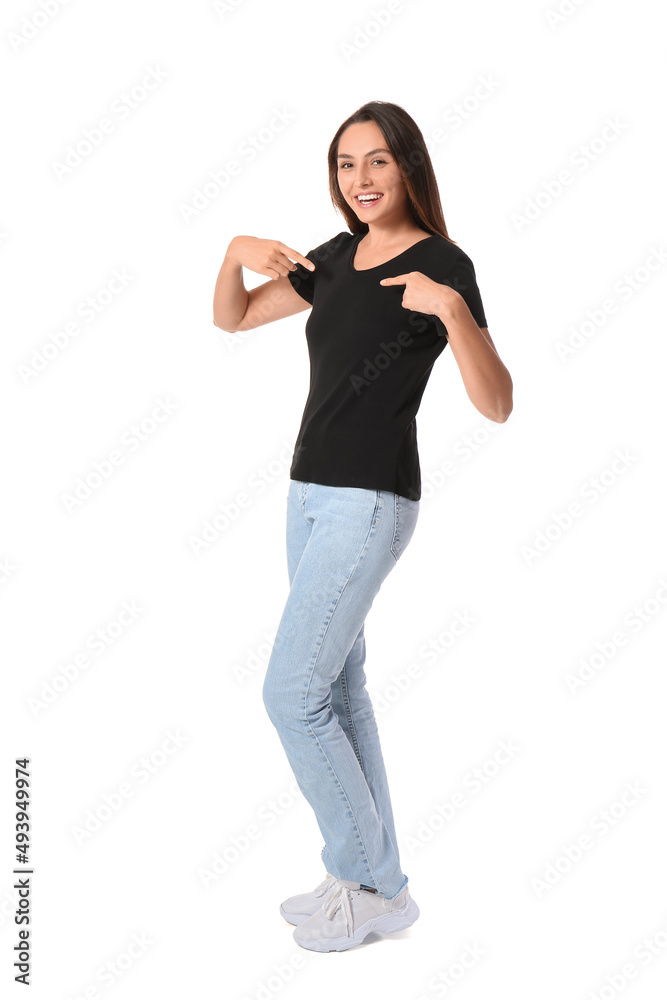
x: 386, y: 923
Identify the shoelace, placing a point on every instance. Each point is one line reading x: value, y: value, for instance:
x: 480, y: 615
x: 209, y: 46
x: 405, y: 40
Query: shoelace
x: 324, y: 885
x: 339, y: 898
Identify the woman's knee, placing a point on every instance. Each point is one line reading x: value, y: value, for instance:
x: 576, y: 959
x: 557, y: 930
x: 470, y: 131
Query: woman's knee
x: 269, y: 695
x: 279, y: 706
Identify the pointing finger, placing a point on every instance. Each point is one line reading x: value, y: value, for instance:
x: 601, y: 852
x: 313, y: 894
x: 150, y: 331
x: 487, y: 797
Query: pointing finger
x: 299, y: 258
x: 399, y: 279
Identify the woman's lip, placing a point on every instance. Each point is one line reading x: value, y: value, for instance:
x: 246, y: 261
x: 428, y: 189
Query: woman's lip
x: 371, y: 201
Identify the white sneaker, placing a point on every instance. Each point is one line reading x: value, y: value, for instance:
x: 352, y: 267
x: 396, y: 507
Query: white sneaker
x: 298, y: 908
x: 349, y: 913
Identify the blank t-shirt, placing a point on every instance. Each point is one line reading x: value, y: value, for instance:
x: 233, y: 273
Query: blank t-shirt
x: 370, y: 360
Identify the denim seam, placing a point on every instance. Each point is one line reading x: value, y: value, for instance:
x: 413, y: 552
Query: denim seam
x: 302, y: 498
x: 349, y: 716
x: 396, y: 537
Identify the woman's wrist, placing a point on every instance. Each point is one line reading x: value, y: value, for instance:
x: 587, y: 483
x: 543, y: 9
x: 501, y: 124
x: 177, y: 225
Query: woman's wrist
x: 449, y: 303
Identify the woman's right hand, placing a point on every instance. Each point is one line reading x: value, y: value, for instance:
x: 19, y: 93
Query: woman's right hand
x: 268, y: 257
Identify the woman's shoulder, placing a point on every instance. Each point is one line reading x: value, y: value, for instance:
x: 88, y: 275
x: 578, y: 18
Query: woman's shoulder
x: 441, y: 245
x: 443, y: 252
x: 338, y: 242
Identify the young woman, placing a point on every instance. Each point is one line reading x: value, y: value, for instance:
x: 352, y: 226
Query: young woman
x: 386, y: 299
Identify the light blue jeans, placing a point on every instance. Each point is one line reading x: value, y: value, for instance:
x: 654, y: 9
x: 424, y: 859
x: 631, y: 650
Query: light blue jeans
x: 341, y: 544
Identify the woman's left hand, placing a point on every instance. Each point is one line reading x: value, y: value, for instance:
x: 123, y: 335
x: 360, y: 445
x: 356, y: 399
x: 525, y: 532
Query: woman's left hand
x: 424, y: 295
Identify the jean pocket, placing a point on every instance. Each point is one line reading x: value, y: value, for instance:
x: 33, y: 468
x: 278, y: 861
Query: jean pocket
x: 406, y: 513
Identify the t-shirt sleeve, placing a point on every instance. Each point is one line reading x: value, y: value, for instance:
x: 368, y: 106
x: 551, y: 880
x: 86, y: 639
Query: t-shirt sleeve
x: 462, y: 278
x: 302, y: 280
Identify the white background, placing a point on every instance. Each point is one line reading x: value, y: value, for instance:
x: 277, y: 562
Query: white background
x: 203, y: 617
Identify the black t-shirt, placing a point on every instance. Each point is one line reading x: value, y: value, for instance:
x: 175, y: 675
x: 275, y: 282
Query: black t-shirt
x: 370, y: 360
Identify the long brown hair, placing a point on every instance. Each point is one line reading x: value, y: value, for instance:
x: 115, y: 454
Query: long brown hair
x: 406, y: 142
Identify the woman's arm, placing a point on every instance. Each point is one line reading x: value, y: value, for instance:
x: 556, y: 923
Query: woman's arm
x: 234, y: 307
x: 486, y: 379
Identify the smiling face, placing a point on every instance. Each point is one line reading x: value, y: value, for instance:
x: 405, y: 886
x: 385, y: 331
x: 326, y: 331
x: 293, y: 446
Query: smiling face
x: 367, y: 168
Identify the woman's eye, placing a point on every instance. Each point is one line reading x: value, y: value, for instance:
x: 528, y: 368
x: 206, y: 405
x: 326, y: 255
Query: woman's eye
x: 350, y: 164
